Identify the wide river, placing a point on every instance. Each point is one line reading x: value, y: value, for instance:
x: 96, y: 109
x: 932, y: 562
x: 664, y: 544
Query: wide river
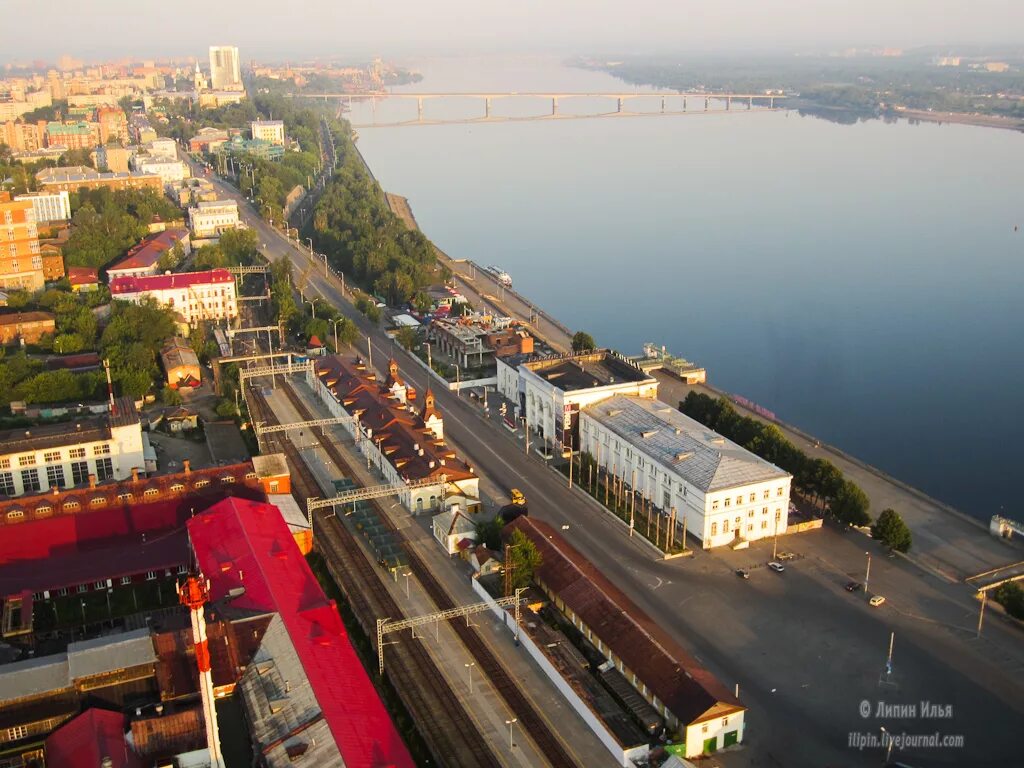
x: 864, y: 282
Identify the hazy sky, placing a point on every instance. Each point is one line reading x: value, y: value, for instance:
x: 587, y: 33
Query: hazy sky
x: 281, y: 29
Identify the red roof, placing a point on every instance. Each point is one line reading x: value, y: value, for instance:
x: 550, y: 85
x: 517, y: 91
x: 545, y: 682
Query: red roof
x: 93, y: 545
x: 129, y: 284
x: 240, y: 543
x: 314, y: 342
x: 149, y: 250
x: 84, y: 741
x: 82, y: 276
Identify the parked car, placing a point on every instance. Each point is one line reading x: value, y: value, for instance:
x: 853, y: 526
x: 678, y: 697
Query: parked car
x: 784, y: 556
x: 743, y: 574
x: 876, y: 601
x: 777, y: 567
x: 854, y: 586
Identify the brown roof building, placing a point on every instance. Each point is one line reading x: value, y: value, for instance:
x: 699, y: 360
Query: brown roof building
x: 692, y: 701
x: 408, y: 445
x: 25, y: 327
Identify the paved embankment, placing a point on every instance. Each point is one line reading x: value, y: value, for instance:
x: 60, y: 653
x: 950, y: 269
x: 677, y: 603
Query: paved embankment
x: 945, y: 540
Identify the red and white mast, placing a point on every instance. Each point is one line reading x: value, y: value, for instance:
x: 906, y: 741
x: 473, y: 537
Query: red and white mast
x: 194, y: 595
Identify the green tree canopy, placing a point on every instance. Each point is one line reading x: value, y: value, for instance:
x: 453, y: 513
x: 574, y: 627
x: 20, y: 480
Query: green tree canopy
x: 523, y: 559
x: 582, y: 341
x: 892, y: 531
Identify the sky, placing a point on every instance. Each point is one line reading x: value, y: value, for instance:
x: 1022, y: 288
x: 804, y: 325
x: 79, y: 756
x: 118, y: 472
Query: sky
x: 267, y: 30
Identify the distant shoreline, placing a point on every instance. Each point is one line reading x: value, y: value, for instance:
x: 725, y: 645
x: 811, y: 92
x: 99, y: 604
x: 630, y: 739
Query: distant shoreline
x: 962, y: 118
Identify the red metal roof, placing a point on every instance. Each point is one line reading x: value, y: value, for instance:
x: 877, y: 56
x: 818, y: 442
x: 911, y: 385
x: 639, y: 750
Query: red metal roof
x: 131, y: 284
x: 149, y: 250
x: 90, y: 737
x: 82, y: 275
x: 240, y: 543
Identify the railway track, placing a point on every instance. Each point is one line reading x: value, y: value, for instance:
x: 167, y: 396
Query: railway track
x: 522, y: 708
x: 443, y: 722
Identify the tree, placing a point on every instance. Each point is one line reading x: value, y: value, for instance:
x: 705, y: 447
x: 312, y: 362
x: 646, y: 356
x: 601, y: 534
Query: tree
x: 582, y: 341
x: 1011, y: 597
x: 523, y: 559
x: 892, y: 531
x: 171, y: 259
x: 407, y: 337
x: 169, y: 396
x: 850, y: 505
x: 347, y: 331
x: 488, y: 532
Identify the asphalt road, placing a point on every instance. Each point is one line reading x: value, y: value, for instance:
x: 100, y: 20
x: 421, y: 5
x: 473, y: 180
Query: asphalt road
x: 805, y: 653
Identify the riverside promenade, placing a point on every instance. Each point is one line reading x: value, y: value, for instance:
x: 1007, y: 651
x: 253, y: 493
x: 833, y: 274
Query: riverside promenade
x: 947, y: 543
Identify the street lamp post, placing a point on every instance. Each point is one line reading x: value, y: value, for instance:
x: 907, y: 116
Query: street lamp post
x: 510, y: 723
x: 310, y: 241
x: 867, y: 576
x: 888, y: 748
x: 469, y: 669
x: 312, y: 305
x: 407, y: 574
x: 335, y: 323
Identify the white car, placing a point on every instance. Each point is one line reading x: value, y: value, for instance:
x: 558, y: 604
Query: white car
x: 777, y: 567
x: 876, y: 601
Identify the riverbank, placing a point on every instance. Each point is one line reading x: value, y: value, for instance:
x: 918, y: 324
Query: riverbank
x: 984, y: 121
x: 947, y: 542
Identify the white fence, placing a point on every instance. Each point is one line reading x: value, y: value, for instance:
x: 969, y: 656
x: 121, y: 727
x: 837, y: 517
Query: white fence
x: 625, y: 757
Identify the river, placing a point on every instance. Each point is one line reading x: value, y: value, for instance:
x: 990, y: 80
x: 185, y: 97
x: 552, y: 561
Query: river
x: 864, y: 282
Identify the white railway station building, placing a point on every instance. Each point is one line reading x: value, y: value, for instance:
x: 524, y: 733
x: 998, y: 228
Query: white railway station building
x: 726, y: 494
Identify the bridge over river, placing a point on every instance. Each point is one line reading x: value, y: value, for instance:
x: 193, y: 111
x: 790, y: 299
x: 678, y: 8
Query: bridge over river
x: 677, y: 103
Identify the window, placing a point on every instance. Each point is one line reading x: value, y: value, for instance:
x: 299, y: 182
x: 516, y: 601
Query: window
x: 51, y: 456
x: 125, y: 497
x: 725, y: 721
x: 62, y: 592
x: 30, y: 480
x: 82, y: 588
x: 28, y: 460
x: 714, y: 529
x: 273, y: 486
x: 725, y: 526
x: 150, y: 575
x: 17, y: 732
x: 97, y: 501
x: 126, y: 580
x: 780, y: 492
x: 228, y: 479
x: 76, y: 453
x: 739, y: 500
x: 728, y: 501
x: 100, y: 585
x: 7, y: 483
x: 764, y: 524
x: 753, y: 497
x: 55, y: 475
x: 104, y: 469
x: 177, y: 488
x: 714, y: 505
x: 764, y: 511
x: 750, y: 513
x: 101, y: 450
x: 79, y: 472
x: 201, y: 484
x: 182, y: 570
x: 5, y: 463
x: 704, y: 729
x: 15, y: 515
x: 766, y: 494
x: 750, y: 528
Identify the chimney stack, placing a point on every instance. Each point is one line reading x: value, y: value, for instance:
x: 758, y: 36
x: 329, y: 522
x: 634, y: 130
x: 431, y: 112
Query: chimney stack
x: 135, y: 474
x: 187, y: 465
x: 92, y: 481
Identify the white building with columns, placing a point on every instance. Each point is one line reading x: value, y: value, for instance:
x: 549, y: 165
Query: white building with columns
x: 726, y: 495
x: 551, y: 391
